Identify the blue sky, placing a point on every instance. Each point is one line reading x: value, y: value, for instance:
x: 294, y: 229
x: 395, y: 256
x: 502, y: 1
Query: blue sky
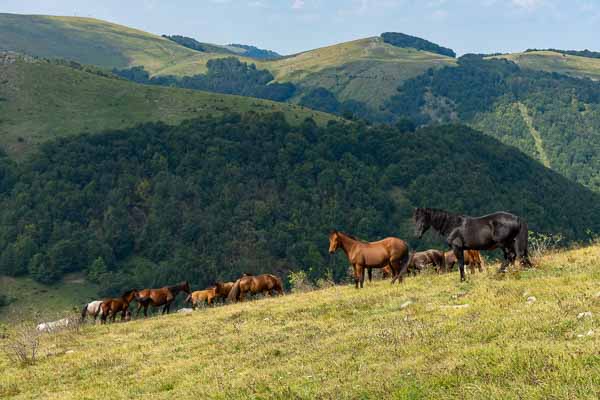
x: 290, y: 26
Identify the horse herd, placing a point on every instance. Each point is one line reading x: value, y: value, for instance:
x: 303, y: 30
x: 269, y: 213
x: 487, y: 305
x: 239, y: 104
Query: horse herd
x: 465, y: 235
x: 247, y: 284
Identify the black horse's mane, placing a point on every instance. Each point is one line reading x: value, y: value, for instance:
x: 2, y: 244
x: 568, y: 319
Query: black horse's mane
x: 442, y: 221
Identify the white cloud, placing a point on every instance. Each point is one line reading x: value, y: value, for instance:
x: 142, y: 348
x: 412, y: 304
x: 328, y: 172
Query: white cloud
x: 298, y: 4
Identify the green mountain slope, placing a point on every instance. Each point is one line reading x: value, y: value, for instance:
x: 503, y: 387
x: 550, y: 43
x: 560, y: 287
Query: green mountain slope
x: 43, y: 100
x: 551, y: 61
x: 429, y: 338
x: 552, y: 117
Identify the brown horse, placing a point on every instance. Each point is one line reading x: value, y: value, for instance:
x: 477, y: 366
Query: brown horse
x: 201, y: 296
x: 110, y: 307
x: 422, y: 259
x: 472, y: 259
x: 391, y: 251
x: 248, y: 284
x: 386, y: 272
x: 222, y: 290
x: 160, y: 297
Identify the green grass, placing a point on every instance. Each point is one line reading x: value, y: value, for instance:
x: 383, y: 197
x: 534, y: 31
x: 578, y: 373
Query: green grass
x: 474, y: 340
x: 42, y: 101
x: 30, y: 299
x: 550, y: 61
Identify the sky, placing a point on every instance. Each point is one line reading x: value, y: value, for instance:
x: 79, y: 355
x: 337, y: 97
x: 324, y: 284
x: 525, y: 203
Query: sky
x: 291, y: 26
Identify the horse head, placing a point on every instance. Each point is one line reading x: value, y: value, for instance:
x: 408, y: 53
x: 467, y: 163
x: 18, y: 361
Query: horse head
x: 185, y: 286
x: 422, y: 223
x: 334, y: 241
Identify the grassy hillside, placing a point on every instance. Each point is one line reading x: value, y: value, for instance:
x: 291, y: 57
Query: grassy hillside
x: 41, y: 101
x: 431, y: 338
x: 551, y: 61
x: 30, y: 299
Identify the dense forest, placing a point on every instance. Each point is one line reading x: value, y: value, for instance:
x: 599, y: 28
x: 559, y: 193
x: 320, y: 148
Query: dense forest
x: 552, y: 117
x: 403, y: 40
x: 257, y: 53
x: 214, y: 197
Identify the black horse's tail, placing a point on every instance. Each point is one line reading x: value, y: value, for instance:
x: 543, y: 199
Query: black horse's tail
x: 521, y: 243
x: 84, y: 312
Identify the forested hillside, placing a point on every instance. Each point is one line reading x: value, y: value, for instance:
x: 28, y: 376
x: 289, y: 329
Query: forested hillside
x: 552, y: 117
x: 214, y: 197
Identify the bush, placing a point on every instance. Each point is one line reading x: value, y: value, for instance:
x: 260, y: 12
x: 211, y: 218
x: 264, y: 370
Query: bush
x: 299, y: 282
x: 23, y: 346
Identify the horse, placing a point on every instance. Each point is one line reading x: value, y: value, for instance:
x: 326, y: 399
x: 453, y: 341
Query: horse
x: 92, y: 308
x: 498, y: 230
x: 421, y: 259
x: 386, y: 272
x: 222, y: 290
x: 472, y: 259
x: 390, y: 251
x: 110, y: 307
x: 249, y: 284
x: 201, y: 296
x: 160, y: 297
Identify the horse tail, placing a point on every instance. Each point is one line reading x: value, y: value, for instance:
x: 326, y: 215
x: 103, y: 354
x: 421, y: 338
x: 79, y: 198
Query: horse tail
x: 521, y: 243
x: 84, y: 312
x: 234, y: 292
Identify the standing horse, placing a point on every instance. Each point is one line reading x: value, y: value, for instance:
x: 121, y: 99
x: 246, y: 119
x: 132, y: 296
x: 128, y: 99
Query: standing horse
x: 222, y: 290
x: 389, y: 251
x: 160, y: 297
x: 111, y: 307
x: 472, y: 260
x: 201, y: 296
x: 92, y: 308
x: 499, y: 230
x: 249, y: 284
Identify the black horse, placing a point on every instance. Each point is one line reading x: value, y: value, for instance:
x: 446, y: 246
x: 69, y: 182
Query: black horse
x: 498, y: 230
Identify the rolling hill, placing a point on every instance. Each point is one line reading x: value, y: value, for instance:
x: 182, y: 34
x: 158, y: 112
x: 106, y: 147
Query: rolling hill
x: 523, y: 335
x: 551, y: 61
x: 42, y: 100
x: 366, y: 70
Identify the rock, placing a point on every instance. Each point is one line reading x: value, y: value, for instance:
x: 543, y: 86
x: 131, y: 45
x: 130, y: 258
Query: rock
x: 458, y: 306
x: 406, y: 304
x: 531, y: 299
x: 69, y: 351
x: 185, y: 311
x: 587, y: 314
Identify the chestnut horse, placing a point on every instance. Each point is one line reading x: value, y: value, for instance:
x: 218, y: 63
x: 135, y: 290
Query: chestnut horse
x: 386, y: 272
x: 391, y: 251
x: 110, y: 307
x: 472, y: 259
x: 201, y: 296
x: 160, y: 297
x: 222, y: 290
x: 249, y: 284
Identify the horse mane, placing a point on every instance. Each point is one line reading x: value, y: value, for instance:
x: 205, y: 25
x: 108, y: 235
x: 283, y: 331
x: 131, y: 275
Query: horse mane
x: 442, y: 221
x: 352, y: 237
x: 127, y: 293
x: 176, y: 287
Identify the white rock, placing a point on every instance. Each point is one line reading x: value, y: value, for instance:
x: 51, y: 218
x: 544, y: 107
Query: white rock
x: 531, y: 299
x: 587, y: 314
x: 185, y: 310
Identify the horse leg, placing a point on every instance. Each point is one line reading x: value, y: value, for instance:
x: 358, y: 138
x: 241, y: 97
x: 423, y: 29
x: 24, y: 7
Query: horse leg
x: 460, y: 256
x: 361, y: 271
x: 139, y: 308
x: 356, y: 276
x: 370, y: 271
x: 506, y: 261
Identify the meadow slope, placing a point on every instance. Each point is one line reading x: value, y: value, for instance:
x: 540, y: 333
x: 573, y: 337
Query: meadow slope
x: 431, y: 338
x: 40, y: 101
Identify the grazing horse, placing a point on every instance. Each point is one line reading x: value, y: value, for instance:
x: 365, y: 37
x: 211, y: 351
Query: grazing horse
x: 160, y: 297
x: 249, y: 284
x: 472, y: 259
x: 110, y: 307
x: 55, y: 325
x: 93, y: 308
x: 498, y: 230
x: 391, y: 251
x: 421, y: 259
x: 386, y: 272
x: 222, y: 290
x: 201, y: 296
